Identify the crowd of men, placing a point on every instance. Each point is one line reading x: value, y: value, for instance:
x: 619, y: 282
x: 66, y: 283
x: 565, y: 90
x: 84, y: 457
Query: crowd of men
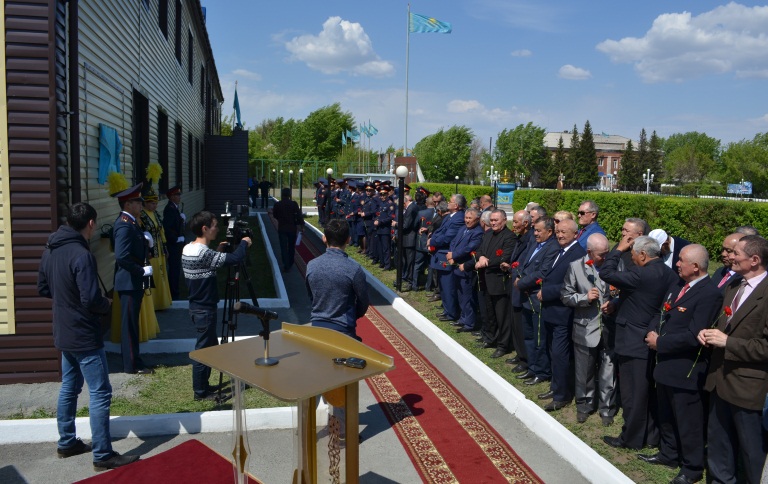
x: 640, y: 326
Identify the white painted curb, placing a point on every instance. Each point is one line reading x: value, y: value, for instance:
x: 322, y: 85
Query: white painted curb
x: 573, y: 450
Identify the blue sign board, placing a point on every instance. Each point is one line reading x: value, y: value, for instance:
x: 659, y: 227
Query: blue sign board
x: 740, y: 188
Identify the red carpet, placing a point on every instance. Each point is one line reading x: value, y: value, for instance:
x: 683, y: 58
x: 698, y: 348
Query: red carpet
x: 191, y: 461
x: 445, y: 437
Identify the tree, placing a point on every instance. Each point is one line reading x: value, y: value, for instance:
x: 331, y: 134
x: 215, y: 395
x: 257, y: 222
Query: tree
x: 629, y: 177
x: 747, y: 160
x: 586, y: 159
x: 573, y: 158
x: 557, y: 165
x: 318, y: 137
x: 656, y: 155
x: 521, y: 152
x: 445, y: 154
x: 698, y: 153
x: 643, y: 156
x: 476, y: 157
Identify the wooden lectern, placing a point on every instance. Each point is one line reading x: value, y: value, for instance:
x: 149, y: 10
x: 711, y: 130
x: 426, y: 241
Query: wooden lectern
x: 304, y: 371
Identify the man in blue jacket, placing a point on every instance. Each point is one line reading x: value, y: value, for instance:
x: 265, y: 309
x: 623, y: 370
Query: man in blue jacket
x: 441, y: 239
x: 68, y: 275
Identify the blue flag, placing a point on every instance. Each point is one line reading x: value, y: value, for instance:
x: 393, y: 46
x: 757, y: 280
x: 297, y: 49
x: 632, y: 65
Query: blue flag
x: 236, y: 105
x: 423, y: 24
x: 372, y: 129
x: 343, y: 139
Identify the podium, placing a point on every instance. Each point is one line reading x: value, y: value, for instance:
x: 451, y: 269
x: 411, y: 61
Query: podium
x: 305, y: 370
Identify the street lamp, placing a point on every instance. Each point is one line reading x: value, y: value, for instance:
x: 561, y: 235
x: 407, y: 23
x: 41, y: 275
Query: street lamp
x: 401, y: 172
x: 301, y: 189
x: 457, y: 184
x: 493, y: 177
x: 647, y: 179
x: 561, y: 179
x: 273, y: 181
x: 281, y: 179
x: 613, y: 181
x: 290, y: 180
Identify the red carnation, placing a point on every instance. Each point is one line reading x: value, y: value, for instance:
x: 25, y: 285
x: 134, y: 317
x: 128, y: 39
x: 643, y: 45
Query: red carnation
x: 432, y: 249
x: 590, y: 262
x: 444, y: 264
x: 667, y: 306
x: 429, y: 223
x: 515, y: 265
x: 728, y: 311
x: 499, y: 252
x: 539, y: 281
x: 473, y: 253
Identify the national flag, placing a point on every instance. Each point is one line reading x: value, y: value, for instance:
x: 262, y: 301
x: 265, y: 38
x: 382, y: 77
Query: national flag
x: 423, y: 24
x: 355, y: 135
x: 372, y: 128
x: 236, y: 105
x: 343, y: 139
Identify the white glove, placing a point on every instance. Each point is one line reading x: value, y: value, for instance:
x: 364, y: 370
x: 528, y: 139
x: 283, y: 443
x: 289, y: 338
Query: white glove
x: 147, y: 271
x: 149, y: 238
x: 183, y: 217
x: 180, y: 239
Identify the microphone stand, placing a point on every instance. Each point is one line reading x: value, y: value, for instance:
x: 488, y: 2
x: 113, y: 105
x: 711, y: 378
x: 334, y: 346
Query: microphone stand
x: 266, y: 360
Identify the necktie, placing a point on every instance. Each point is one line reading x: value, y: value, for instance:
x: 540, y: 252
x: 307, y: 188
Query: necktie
x: 578, y: 235
x: 735, y: 303
x: 559, y: 254
x: 682, y: 292
x: 724, y: 279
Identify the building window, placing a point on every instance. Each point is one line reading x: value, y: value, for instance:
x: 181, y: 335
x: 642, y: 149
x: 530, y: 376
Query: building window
x: 190, y: 56
x: 616, y: 163
x: 178, y: 140
x: 162, y: 148
x: 190, y: 162
x: 162, y: 17
x: 177, y: 31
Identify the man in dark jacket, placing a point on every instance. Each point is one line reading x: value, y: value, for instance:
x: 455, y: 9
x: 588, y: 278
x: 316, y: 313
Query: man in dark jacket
x: 173, y: 224
x: 68, y: 275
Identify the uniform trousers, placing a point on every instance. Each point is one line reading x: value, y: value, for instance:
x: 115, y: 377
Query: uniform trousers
x: 595, y: 380
x: 130, y: 305
x: 734, y: 431
x: 638, y: 401
x: 681, y: 427
x: 383, y: 246
x: 174, y: 267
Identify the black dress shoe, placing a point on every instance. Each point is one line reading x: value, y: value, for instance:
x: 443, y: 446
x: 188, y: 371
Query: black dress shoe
x: 536, y: 380
x: 555, y: 405
x: 520, y: 368
x: 614, y: 442
x: 485, y: 346
x: 445, y: 318
x: 545, y: 395
x: 114, y: 462
x: 512, y: 361
x: 683, y: 479
x: 581, y: 417
x: 527, y: 375
x: 464, y: 329
x: 498, y: 353
x: 607, y: 421
x: 475, y: 333
x: 78, y: 448
x: 657, y: 459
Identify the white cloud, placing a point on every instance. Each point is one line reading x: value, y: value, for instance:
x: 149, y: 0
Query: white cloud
x: 573, y: 73
x: 460, y: 106
x: 680, y: 46
x: 243, y: 73
x: 341, y: 46
x: 521, y: 53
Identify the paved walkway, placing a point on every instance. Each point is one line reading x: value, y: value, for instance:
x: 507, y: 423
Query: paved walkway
x: 382, y: 456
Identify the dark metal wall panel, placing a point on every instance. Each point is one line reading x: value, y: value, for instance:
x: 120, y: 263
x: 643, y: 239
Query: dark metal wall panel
x: 224, y: 177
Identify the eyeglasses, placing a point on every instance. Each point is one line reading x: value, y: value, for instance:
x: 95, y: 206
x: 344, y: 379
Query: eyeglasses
x: 584, y: 213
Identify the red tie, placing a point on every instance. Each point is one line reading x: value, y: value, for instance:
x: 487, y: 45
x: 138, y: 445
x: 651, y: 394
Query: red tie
x: 725, y: 278
x: 682, y: 291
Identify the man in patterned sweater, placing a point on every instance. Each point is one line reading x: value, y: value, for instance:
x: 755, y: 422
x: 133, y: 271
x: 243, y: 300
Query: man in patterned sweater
x: 200, y: 263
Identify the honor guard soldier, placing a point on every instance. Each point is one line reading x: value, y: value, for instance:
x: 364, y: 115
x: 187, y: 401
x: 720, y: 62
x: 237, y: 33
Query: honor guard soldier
x: 132, y: 271
x: 173, y: 223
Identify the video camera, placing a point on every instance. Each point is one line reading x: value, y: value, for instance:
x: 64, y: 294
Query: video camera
x: 236, y: 229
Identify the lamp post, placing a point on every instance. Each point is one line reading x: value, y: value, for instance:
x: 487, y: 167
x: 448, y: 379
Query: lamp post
x: 457, y: 184
x: 273, y: 181
x: 301, y: 189
x: 493, y: 177
x: 281, y: 179
x: 329, y: 172
x: 647, y: 178
x: 290, y: 180
x: 613, y: 181
x: 401, y: 173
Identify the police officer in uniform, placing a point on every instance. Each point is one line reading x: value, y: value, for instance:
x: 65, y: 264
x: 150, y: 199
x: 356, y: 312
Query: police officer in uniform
x: 383, y: 224
x: 132, y: 271
x: 173, y: 224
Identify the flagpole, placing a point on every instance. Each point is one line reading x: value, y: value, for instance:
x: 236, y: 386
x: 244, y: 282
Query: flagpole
x: 407, y: 58
x: 234, y: 115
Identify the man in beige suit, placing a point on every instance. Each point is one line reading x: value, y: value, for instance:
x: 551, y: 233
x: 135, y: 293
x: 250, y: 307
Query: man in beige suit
x: 738, y: 370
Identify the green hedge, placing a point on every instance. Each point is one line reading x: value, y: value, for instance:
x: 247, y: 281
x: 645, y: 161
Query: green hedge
x: 704, y: 221
x: 469, y: 191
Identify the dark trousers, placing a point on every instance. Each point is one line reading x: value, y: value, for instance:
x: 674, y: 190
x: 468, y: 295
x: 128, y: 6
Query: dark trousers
x: 353, y: 232
x: 560, y: 350
x: 287, y: 242
x: 500, y: 305
x: 204, y: 321
x: 466, y: 289
x: 421, y: 263
x: 130, y: 305
x: 490, y: 329
x: 383, y: 246
x: 536, y: 344
x: 264, y: 199
x: 595, y: 380
x: 448, y: 294
x: 174, y: 267
x: 373, y: 244
x: 734, y: 431
x: 518, y: 339
x: 409, y: 260
x: 635, y: 385
x: 681, y: 427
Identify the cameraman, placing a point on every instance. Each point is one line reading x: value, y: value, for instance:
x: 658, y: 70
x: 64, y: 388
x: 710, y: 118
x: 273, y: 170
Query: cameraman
x: 200, y: 263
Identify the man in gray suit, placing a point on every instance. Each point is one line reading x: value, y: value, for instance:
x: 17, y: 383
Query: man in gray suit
x: 592, y: 333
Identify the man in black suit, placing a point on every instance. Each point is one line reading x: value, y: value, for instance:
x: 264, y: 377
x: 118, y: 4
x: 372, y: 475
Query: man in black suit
x: 495, y: 247
x: 409, y: 226
x: 558, y: 318
x: 681, y: 368
x: 724, y: 276
x: 522, y: 225
x: 534, y: 266
x: 173, y: 224
x: 644, y: 287
x: 738, y: 369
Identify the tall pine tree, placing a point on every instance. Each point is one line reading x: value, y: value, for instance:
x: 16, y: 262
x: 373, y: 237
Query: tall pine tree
x: 573, y: 160
x: 557, y: 163
x: 629, y: 177
x: 587, y: 159
x: 656, y: 156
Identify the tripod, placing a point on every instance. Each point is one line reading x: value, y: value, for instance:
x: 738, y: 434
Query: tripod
x: 229, y: 315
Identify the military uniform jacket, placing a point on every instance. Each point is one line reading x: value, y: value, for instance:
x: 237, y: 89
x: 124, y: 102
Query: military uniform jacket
x: 739, y: 372
x: 385, y: 214
x: 130, y: 253
x: 173, y: 224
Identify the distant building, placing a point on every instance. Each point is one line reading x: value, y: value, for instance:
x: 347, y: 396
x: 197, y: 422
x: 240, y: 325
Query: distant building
x: 609, y: 148
x: 86, y: 83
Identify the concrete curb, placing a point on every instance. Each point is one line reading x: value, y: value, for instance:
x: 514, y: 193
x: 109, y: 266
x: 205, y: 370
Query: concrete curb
x: 45, y: 430
x: 573, y: 450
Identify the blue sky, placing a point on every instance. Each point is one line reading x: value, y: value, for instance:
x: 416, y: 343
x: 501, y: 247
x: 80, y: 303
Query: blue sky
x: 671, y: 66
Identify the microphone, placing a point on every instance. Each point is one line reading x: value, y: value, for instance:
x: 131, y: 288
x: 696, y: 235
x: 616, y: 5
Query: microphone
x: 244, y: 307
